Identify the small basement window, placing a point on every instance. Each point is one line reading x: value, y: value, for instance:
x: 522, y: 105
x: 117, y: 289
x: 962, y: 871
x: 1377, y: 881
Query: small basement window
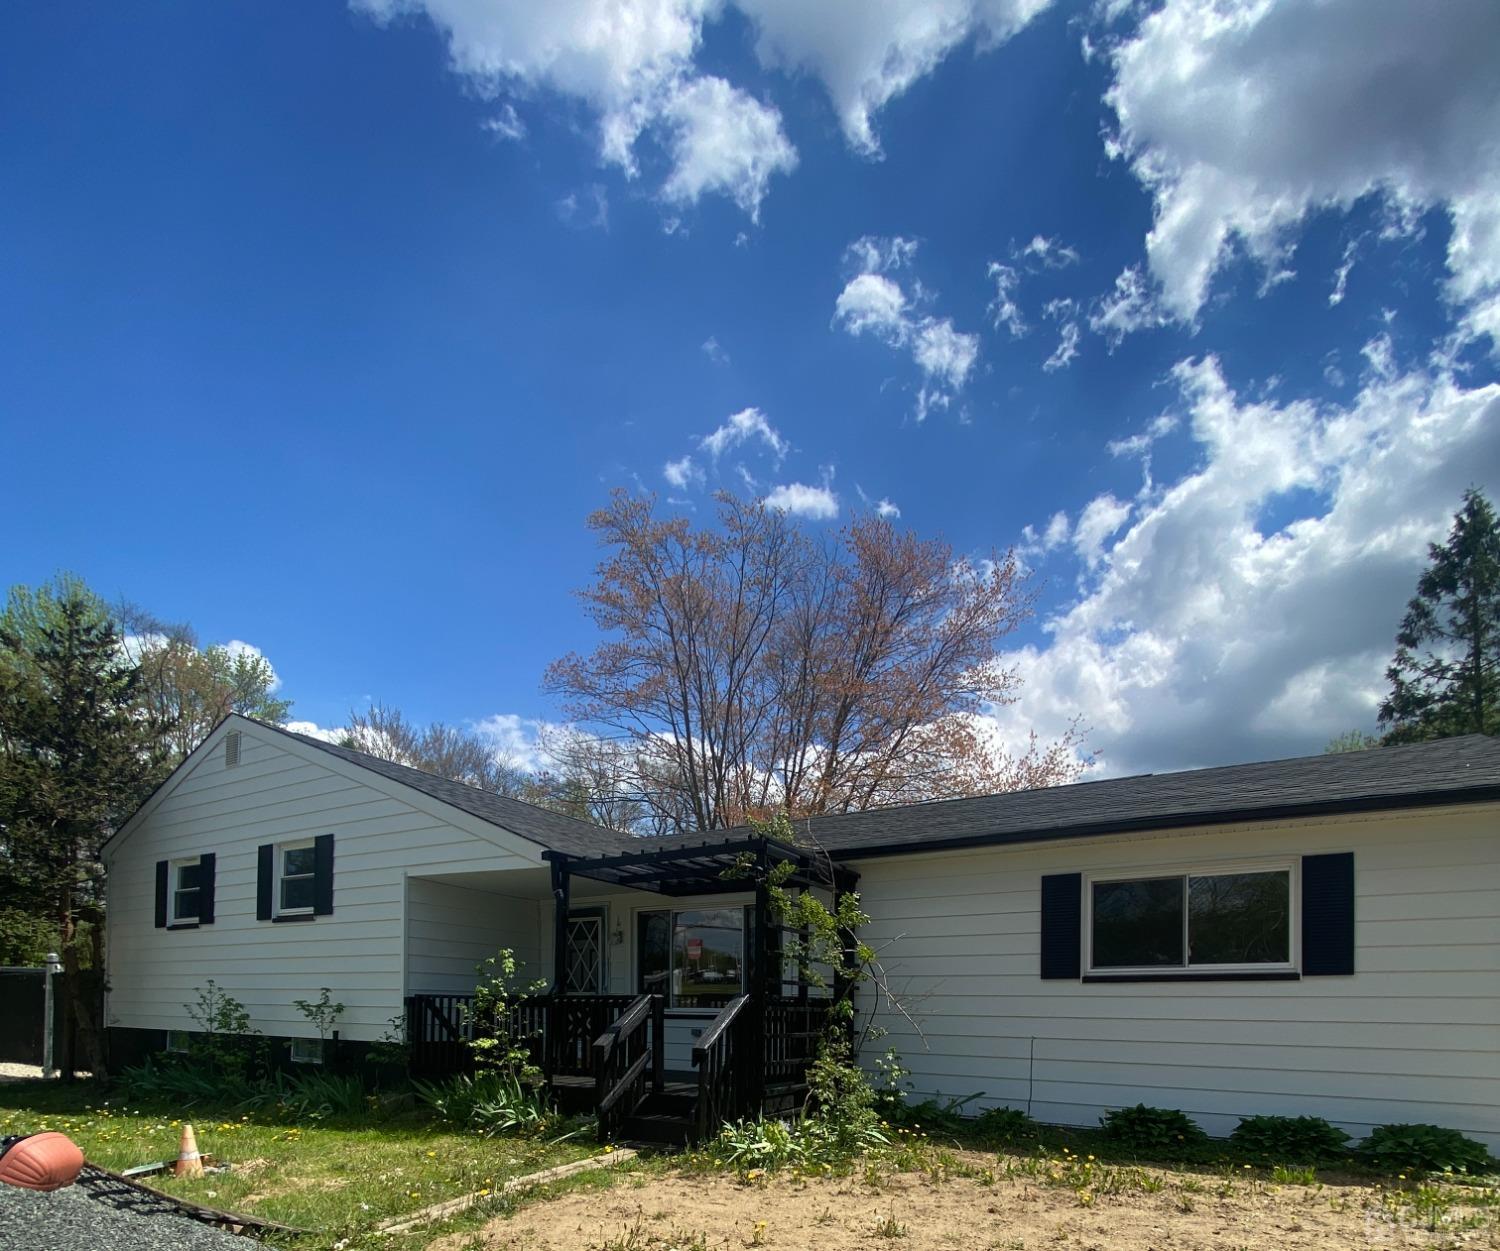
x: 1222, y: 920
x: 187, y: 892
x: 178, y: 1041
x: 307, y: 1051
x: 295, y: 875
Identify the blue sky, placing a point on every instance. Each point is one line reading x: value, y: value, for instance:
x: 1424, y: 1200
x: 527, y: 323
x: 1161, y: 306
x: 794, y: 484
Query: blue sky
x: 324, y: 326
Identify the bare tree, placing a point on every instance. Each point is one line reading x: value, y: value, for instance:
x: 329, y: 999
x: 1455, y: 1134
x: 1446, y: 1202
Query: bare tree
x: 752, y: 669
x: 452, y: 752
x: 594, y: 779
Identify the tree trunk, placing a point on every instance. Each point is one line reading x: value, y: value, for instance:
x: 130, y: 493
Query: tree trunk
x: 81, y: 987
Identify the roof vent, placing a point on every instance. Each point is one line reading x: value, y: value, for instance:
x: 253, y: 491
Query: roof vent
x: 231, y: 749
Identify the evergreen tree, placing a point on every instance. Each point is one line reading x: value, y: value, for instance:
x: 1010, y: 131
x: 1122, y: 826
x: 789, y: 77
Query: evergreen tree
x: 1445, y: 677
x: 77, y: 755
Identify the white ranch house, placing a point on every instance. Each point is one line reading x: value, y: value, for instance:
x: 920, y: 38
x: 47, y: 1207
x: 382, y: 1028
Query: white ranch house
x: 1315, y: 936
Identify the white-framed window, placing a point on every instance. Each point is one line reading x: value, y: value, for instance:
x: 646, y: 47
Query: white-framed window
x: 178, y: 1041
x: 1223, y: 918
x: 295, y: 877
x: 307, y: 1051
x: 185, y: 891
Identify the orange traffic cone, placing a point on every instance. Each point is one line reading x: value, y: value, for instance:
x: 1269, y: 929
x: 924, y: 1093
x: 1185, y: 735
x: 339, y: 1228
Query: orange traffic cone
x: 189, y: 1162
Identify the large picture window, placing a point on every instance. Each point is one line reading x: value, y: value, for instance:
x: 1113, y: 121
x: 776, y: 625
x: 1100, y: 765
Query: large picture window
x: 696, y: 958
x: 1210, y: 919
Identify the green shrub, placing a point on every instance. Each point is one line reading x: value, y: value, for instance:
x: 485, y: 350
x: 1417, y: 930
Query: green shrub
x: 1425, y: 1149
x: 771, y: 1144
x: 180, y: 1082
x: 1160, y: 1132
x: 315, y: 1096
x: 1294, y: 1139
x: 490, y: 1102
x: 1005, y: 1125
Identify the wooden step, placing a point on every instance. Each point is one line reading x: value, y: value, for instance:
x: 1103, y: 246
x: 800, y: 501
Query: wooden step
x: 657, y: 1129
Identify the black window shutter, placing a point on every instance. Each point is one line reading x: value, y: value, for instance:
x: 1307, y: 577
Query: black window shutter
x: 265, y: 871
x: 206, y: 864
x: 1328, y: 915
x: 162, y: 869
x: 323, y: 875
x: 1062, y: 917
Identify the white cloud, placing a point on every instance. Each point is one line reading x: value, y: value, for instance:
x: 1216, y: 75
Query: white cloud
x: 723, y: 142
x: 1248, y: 609
x: 868, y: 52
x: 1244, y: 118
x: 1129, y: 307
x: 818, y: 503
x: 714, y: 352
x: 632, y: 63
x: 881, y: 508
x: 1102, y: 517
x: 1066, y: 349
x: 1057, y: 532
x: 514, y: 739
x: 683, y: 473
x: 327, y: 734
x: 1049, y: 253
x: 506, y: 124
x: 741, y: 427
x: 874, y: 303
x: 1003, y: 308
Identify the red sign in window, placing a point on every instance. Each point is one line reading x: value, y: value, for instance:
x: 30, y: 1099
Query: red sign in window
x: 695, y: 949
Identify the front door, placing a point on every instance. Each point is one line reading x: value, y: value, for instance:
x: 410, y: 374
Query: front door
x: 584, y: 968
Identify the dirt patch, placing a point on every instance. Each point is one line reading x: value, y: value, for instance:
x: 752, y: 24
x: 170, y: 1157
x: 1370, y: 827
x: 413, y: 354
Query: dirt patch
x: 977, y: 1206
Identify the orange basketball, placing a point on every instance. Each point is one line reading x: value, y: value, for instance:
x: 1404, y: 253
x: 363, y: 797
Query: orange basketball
x: 42, y: 1162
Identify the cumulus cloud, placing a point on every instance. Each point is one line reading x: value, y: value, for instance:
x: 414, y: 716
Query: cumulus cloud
x: 714, y: 352
x: 818, y: 503
x: 874, y: 303
x: 327, y: 734
x: 867, y: 52
x: 1102, y: 517
x: 631, y: 62
x: 1248, y: 609
x: 1242, y: 119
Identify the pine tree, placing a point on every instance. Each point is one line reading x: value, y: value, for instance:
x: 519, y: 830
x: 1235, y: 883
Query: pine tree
x: 1445, y: 677
x: 77, y: 754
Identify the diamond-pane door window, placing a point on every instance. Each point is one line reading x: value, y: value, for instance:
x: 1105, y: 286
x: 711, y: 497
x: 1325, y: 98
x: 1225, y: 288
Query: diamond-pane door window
x: 585, y: 954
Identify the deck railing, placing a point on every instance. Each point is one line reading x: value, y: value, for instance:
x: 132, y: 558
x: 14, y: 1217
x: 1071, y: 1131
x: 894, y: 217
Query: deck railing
x: 627, y: 1056
x: 793, y: 1032
x: 559, y: 1030
x: 723, y: 1056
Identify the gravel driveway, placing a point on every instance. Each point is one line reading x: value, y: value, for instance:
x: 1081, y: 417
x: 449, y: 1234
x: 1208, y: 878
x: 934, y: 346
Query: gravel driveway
x: 73, y: 1219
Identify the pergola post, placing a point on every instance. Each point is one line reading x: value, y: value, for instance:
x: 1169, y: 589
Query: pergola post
x: 561, y: 886
x: 761, y: 980
x: 844, y: 882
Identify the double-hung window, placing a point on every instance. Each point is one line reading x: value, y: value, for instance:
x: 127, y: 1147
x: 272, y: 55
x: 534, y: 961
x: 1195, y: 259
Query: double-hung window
x: 186, y: 892
x: 296, y: 875
x: 1221, y: 919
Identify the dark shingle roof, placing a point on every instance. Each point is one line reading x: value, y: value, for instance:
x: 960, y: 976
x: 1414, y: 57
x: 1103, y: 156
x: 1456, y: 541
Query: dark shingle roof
x: 1455, y: 770
x: 537, y: 825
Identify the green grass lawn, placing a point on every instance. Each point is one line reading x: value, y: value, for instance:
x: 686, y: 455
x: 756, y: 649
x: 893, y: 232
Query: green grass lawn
x: 338, y: 1179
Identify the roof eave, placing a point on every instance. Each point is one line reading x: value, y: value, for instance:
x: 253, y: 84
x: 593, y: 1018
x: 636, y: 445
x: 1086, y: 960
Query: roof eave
x: 1177, y: 821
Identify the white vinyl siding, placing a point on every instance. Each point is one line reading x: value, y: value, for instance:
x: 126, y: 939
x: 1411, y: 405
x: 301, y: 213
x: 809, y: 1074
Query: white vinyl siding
x: 283, y: 792
x: 451, y: 929
x: 1414, y: 1035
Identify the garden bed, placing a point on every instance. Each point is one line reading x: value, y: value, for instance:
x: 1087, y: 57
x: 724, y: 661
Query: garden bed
x: 971, y: 1201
